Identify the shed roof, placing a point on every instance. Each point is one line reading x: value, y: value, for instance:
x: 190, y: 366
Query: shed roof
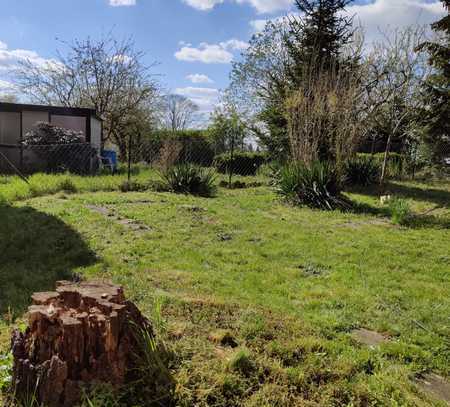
x: 60, y: 110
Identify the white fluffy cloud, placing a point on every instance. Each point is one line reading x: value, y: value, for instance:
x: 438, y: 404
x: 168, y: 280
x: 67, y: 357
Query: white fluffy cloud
x: 122, y: 3
x: 6, y: 86
x: 205, y: 98
x: 380, y: 14
x: 10, y: 58
x: 211, y: 53
x: 199, y: 78
x: 261, y: 6
x: 203, y: 5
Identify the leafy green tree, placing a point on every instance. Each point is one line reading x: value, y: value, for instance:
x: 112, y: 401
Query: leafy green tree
x: 436, y: 114
x: 280, y: 60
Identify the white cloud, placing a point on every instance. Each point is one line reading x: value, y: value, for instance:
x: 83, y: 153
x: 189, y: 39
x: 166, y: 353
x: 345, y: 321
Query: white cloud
x: 122, y: 3
x: 206, y: 53
x: 205, y: 98
x: 211, y: 53
x: 199, y: 78
x: 234, y: 44
x: 10, y: 58
x: 6, y: 86
x: 258, y: 25
x: 380, y: 14
x: 261, y: 6
x: 203, y: 5
x: 268, y: 6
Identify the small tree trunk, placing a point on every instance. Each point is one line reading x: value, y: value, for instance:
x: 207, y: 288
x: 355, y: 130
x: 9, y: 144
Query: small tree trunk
x: 385, y: 160
x: 231, y: 170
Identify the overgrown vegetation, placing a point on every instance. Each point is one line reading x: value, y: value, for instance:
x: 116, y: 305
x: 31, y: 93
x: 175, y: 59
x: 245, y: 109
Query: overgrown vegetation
x: 317, y: 185
x: 362, y: 170
x: 190, y: 179
x: 241, y: 163
x: 286, y: 285
x: 400, y: 211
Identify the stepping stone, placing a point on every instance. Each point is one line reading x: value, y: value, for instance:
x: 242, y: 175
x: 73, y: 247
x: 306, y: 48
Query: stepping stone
x: 128, y: 223
x: 435, y: 385
x: 370, y: 338
x: 100, y: 209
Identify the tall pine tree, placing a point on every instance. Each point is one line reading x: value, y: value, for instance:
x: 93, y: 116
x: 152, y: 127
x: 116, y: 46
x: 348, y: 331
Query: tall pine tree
x: 436, y: 114
x: 317, y: 39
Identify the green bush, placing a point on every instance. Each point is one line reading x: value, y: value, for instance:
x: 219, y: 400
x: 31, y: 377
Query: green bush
x: 241, y: 164
x: 190, y: 179
x: 316, y: 186
x: 363, y: 171
x: 67, y: 185
x: 397, y: 163
x: 400, y: 211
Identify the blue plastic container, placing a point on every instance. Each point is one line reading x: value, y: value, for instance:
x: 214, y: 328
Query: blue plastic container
x: 112, y: 156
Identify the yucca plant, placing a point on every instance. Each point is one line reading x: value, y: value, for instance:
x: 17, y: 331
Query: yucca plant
x: 362, y: 171
x: 317, y: 185
x: 190, y: 179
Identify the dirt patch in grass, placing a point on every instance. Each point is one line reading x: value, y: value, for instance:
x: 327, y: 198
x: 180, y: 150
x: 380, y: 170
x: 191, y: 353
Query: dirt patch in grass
x: 435, y: 385
x: 369, y: 338
x: 128, y: 223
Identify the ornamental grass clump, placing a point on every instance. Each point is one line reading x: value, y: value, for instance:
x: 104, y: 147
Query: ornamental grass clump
x: 317, y: 186
x: 190, y: 179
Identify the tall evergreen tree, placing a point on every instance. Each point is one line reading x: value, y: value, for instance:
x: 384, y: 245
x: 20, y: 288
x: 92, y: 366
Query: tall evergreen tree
x: 436, y: 114
x: 316, y: 39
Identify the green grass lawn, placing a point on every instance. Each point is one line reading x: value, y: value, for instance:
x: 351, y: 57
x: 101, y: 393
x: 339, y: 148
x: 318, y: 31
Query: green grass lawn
x: 288, y: 284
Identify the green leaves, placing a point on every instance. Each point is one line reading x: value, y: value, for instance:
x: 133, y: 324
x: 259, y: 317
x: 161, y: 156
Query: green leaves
x: 6, y: 364
x: 190, y: 179
x: 317, y: 186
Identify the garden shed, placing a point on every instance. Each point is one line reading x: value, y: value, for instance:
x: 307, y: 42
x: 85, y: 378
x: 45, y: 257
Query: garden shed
x: 16, y: 120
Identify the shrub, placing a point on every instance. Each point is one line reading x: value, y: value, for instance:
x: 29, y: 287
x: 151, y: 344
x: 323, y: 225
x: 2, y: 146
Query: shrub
x: 363, y: 171
x: 317, y: 186
x: 190, y: 179
x: 131, y: 186
x: 400, y: 211
x: 241, y: 164
x: 396, y: 167
x: 242, y: 362
x: 67, y: 185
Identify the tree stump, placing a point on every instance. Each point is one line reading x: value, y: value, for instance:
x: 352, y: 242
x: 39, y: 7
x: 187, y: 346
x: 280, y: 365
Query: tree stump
x: 78, y: 335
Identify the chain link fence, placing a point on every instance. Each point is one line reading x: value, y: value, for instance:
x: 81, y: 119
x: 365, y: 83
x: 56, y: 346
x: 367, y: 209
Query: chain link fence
x: 136, y: 155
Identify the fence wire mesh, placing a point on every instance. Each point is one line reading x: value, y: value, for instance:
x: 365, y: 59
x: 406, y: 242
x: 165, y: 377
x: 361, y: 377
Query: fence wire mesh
x: 84, y: 159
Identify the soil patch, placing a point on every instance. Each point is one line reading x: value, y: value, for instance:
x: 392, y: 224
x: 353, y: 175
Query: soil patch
x: 370, y: 338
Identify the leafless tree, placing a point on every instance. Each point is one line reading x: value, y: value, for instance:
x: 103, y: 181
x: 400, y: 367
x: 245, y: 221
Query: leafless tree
x: 106, y: 74
x: 324, y: 116
x: 178, y: 112
x: 395, y: 73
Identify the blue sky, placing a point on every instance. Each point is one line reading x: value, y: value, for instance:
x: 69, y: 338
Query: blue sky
x: 193, y: 41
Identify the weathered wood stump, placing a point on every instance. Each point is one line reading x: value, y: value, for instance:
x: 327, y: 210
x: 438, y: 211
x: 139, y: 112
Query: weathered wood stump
x: 78, y: 335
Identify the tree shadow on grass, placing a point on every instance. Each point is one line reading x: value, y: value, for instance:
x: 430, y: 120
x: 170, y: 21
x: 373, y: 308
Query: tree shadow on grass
x: 36, y: 250
x: 435, y: 196
x: 414, y: 221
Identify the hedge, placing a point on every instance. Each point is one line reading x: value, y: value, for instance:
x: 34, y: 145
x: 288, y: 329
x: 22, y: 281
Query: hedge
x: 242, y: 163
x: 196, y: 146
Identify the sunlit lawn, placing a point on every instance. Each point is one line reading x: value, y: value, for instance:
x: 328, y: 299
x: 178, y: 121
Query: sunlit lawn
x: 289, y: 284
